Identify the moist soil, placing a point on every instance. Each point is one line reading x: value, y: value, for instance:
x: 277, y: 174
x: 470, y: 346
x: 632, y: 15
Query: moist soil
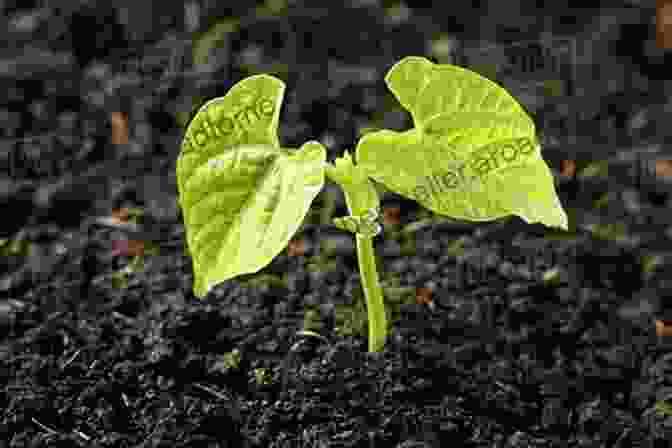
x: 502, y: 334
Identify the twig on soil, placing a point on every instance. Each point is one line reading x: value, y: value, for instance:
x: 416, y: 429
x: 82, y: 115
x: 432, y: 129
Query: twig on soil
x: 217, y: 394
x: 49, y: 430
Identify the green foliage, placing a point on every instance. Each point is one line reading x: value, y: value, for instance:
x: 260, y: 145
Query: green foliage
x: 663, y: 408
x: 17, y: 246
x: 263, y: 376
x: 231, y: 360
x: 237, y: 185
x: 473, y: 155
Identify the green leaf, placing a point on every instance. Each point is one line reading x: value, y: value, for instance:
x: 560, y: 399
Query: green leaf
x: 243, y: 197
x: 663, y: 408
x: 231, y: 360
x: 18, y: 246
x: 473, y: 154
x: 263, y: 376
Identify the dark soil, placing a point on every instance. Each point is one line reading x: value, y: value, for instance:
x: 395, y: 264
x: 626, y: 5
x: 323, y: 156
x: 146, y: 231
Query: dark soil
x: 487, y: 349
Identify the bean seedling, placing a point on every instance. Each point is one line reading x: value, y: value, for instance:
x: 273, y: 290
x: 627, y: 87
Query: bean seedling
x: 472, y: 155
